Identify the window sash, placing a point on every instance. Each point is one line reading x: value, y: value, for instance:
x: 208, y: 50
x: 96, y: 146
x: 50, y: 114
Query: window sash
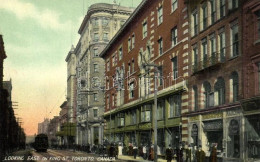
x: 174, y: 5
x: 205, y: 16
x: 222, y: 8
x: 144, y: 29
x: 222, y: 46
x: 195, y: 55
x: 175, y: 67
x: 160, y: 15
x: 195, y: 21
x: 235, y: 41
x: 174, y: 36
x: 213, y: 11
x: 160, y: 46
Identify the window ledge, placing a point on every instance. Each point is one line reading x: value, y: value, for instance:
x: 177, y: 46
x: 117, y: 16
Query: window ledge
x: 233, y: 57
x: 257, y: 41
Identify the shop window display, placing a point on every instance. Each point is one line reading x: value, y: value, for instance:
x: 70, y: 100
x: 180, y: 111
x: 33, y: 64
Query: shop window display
x: 233, y: 142
x: 252, y: 136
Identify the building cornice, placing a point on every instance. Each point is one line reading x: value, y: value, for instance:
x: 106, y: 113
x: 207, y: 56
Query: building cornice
x: 104, y: 7
x: 124, y: 27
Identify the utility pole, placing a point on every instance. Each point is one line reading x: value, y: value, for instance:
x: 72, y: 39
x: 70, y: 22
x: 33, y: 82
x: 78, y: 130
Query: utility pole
x: 155, y: 113
x: 154, y: 108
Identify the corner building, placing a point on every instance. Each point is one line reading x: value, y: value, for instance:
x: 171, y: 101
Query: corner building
x: 217, y: 78
x: 100, y: 24
x: 155, y: 34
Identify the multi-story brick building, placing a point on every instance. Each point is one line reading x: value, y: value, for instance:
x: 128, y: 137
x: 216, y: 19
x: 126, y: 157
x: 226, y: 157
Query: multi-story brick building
x: 216, y: 84
x: 100, y: 24
x: 154, y: 40
x: 251, y: 79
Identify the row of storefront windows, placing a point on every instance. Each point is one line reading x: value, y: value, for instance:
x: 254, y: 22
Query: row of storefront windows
x: 229, y: 145
x: 130, y: 117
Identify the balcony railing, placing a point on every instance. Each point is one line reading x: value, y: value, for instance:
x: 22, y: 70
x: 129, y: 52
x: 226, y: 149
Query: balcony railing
x: 207, y: 62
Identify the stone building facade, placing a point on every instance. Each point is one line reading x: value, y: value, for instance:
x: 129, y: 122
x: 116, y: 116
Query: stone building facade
x: 100, y: 24
x: 153, y: 41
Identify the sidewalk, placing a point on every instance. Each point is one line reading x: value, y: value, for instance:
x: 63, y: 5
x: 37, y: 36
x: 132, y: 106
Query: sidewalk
x: 138, y: 158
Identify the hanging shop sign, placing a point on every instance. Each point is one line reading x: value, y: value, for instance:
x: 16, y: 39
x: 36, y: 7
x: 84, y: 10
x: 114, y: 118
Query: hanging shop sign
x: 233, y: 127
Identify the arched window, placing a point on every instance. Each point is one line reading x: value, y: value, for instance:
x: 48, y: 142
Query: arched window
x: 207, y: 92
x: 219, y: 91
x: 195, y: 98
x: 234, y: 86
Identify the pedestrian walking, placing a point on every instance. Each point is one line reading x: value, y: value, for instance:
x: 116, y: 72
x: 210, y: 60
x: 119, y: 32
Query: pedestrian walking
x: 135, y: 151
x: 169, y: 154
x: 144, y: 152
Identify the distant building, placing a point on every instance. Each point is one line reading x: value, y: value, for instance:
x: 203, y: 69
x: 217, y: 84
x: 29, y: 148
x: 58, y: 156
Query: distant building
x: 100, y: 24
x: 8, y: 86
x: 43, y: 127
x: 2, y: 57
x: 53, y: 128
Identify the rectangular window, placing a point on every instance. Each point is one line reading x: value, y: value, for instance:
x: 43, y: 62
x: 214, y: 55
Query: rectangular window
x: 175, y: 106
x: 175, y: 67
x: 120, y: 52
x: 222, y: 46
x: 133, y: 117
x: 234, y: 41
x: 129, y: 68
x: 113, y: 60
x: 171, y: 111
x: 204, y: 16
x: 174, y: 5
x: 146, y: 113
x: 95, y: 51
x: 105, y: 21
x: 222, y: 8
x: 160, y: 75
x: 121, y: 119
x: 160, y: 110
x: 174, y: 36
x: 233, y: 4
x: 96, y: 38
x: 129, y: 44
x: 131, y: 90
x: 113, y: 100
x: 195, y: 23
x: 108, y: 103
x: 133, y: 66
x: 205, y: 51
x: 213, y: 11
x: 213, y: 48
x: 195, y: 55
x: 196, y: 105
x: 144, y: 29
x: 95, y: 67
x: 160, y: 44
x: 133, y: 41
x: 160, y: 15
x: 95, y: 112
x: 108, y: 65
x: 95, y: 22
x: 105, y: 36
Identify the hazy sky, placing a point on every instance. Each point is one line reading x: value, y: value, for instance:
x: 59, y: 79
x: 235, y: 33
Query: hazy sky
x: 38, y: 35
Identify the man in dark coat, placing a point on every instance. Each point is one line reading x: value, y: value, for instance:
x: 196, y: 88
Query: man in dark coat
x: 169, y: 154
x: 200, y: 155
